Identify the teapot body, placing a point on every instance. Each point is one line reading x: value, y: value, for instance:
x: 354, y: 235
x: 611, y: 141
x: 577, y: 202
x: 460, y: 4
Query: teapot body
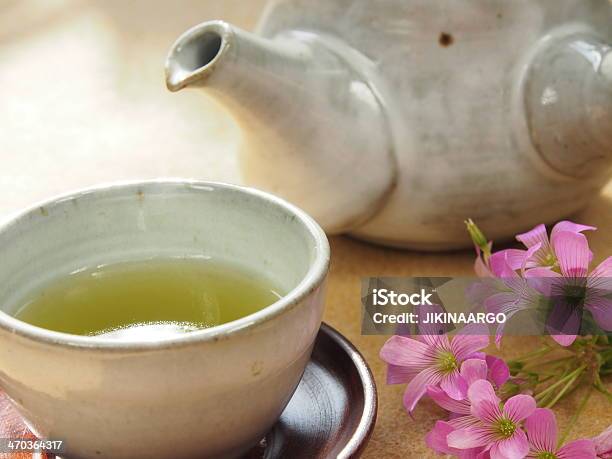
x: 451, y: 78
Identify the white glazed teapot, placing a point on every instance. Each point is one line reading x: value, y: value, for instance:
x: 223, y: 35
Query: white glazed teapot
x: 396, y: 120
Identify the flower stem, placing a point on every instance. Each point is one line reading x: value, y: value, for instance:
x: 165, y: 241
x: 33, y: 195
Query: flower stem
x: 569, y: 384
x: 542, y: 353
x: 537, y: 353
x: 599, y: 386
x: 550, y: 362
x: 576, y: 415
x: 565, y: 378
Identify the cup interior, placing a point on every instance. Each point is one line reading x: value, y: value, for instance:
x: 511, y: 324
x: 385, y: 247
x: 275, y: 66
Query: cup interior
x: 236, y: 225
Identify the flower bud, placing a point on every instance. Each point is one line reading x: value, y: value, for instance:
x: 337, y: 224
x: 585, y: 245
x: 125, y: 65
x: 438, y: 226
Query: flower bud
x: 476, y: 234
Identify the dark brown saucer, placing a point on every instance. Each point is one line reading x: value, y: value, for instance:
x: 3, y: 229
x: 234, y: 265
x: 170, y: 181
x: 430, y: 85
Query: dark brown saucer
x: 333, y: 410
x: 331, y: 414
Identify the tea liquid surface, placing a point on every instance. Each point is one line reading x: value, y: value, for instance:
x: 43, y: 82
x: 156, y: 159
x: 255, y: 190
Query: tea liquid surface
x: 148, y: 299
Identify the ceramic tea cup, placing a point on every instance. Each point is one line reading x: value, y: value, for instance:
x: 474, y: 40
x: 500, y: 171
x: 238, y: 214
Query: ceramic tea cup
x: 209, y: 393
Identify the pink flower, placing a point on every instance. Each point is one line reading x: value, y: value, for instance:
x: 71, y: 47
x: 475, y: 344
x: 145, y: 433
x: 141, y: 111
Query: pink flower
x: 541, y: 429
x: 497, y: 371
x: 432, y: 360
x: 495, y: 265
x: 546, y: 255
x: 574, y: 289
x: 489, y: 264
x: 436, y: 440
x: 472, y: 370
x: 603, y: 444
x: 513, y: 259
x: 514, y: 294
x: 481, y: 264
x: 498, y: 427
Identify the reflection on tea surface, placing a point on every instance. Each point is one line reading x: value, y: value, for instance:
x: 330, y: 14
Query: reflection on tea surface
x: 149, y: 299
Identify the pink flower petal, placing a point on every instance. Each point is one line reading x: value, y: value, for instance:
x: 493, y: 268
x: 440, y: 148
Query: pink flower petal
x: 432, y: 340
x: 541, y: 427
x: 486, y: 411
x: 564, y: 320
x: 604, y: 269
x: 501, y: 302
x: 513, y: 258
x: 571, y: 227
x: 480, y: 290
x: 444, y: 401
x: 470, y: 437
x: 454, y: 385
x: 572, y: 251
x: 601, y: 308
x: 484, y: 401
x: 519, y: 407
x: 507, y: 273
x: 529, y: 256
x: 564, y: 340
x: 399, y: 375
x: 466, y: 344
x: 578, y: 449
x: 515, y: 447
x: 477, y: 355
x: 507, y: 303
x: 481, y: 269
x: 474, y: 369
x: 407, y: 352
x: 473, y: 453
x: 498, y: 371
x: 540, y: 279
x: 599, y: 298
x: 603, y: 442
x: 431, y: 334
x: 541, y: 272
x: 463, y: 421
x: 482, y: 390
x: 436, y: 438
x: 530, y: 238
x: 417, y: 387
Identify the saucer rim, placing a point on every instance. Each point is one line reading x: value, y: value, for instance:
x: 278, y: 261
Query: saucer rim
x: 363, y: 432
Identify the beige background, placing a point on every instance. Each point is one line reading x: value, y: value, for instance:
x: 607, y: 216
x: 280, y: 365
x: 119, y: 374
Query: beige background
x: 83, y: 101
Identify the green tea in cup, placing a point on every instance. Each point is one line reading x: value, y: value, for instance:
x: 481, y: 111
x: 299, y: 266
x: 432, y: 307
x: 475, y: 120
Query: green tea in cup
x: 148, y: 299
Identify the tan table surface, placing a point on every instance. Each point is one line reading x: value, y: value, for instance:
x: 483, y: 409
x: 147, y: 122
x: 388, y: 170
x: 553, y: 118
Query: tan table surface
x: 82, y: 101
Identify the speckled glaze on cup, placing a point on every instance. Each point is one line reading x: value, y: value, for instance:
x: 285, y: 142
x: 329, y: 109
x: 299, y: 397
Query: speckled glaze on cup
x: 210, y: 393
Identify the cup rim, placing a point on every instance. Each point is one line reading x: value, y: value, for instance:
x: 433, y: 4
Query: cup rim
x: 313, y: 278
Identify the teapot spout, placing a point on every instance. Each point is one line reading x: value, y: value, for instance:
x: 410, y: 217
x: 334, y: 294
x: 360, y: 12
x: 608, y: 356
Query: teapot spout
x: 568, y: 102
x: 314, y: 127
x: 191, y: 61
